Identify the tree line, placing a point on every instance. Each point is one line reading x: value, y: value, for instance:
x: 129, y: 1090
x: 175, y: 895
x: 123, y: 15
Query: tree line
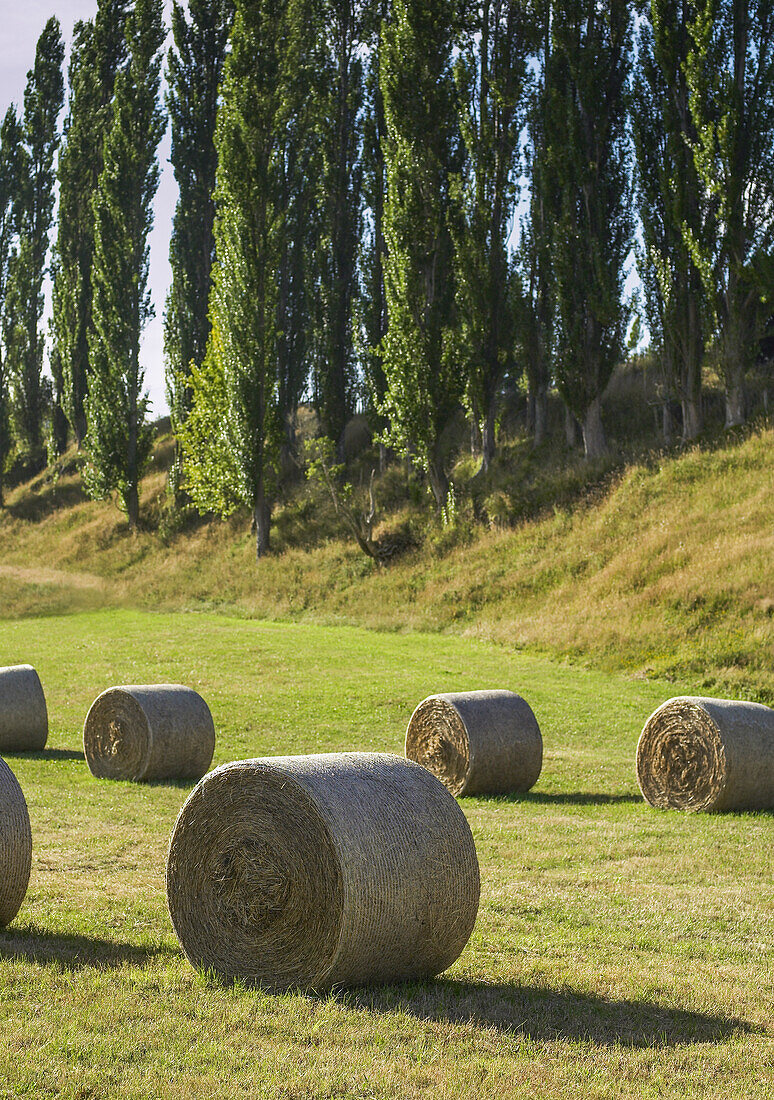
x: 396, y: 205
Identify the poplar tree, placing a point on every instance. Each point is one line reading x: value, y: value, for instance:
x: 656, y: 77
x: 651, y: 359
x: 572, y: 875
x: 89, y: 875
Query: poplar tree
x: 492, y: 78
x: 588, y: 160
x: 340, y: 121
x: 423, y: 154
x: 232, y: 438
x: 194, y: 72
x: 674, y: 208
x: 98, y: 54
x: 10, y: 164
x: 730, y: 74
x: 43, y: 98
x: 119, y: 439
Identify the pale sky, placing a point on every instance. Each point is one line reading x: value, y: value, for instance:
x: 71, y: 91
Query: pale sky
x: 21, y: 22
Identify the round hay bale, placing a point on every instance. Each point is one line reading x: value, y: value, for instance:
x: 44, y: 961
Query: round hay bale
x: 317, y: 871
x: 477, y: 742
x: 15, y: 845
x: 159, y: 731
x: 707, y: 754
x: 23, y: 714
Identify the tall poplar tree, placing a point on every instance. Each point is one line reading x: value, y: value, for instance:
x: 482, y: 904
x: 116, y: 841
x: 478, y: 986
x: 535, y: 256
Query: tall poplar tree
x: 232, y: 438
x: 423, y: 153
x: 119, y: 439
x: 43, y: 98
x: 11, y: 154
x: 340, y: 121
x: 98, y: 54
x: 492, y: 78
x: 588, y: 158
x: 730, y: 75
x: 194, y: 72
x: 674, y: 208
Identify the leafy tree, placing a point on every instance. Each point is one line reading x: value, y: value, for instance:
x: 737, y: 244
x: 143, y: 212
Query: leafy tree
x: 341, y: 184
x: 372, y: 306
x: 423, y: 153
x: 43, y: 98
x: 195, y: 69
x: 729, y: 69
x: 232, y: 437
x: 11, y: 159
x: 98, y: 54
x: 492, y: 77
x: 673, y: 207
x: 118, y: 439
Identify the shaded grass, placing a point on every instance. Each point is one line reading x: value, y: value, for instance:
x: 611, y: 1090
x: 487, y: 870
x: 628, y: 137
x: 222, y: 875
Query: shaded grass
x: 619, y: 951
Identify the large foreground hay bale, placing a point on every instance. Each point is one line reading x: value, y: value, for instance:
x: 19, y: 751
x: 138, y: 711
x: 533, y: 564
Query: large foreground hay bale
x: 314, y: 871
x: 23, y: 714
x: 15, y: 845
x: 707, y: 754
x: 477, y: 742
x: 158, y: 731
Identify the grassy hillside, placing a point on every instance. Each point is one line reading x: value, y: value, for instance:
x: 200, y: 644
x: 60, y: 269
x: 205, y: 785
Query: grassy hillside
x: 619, y: 951
x: 663, y: 567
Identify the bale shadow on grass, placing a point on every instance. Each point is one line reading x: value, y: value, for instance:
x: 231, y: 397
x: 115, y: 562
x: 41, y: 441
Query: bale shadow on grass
x: 569, y: 798
x: 548, y: 1015
x: 48, y: 754
x: 75, y: 952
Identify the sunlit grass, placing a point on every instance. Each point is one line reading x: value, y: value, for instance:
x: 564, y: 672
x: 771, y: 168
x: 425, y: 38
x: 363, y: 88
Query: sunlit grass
x: 619, y: 951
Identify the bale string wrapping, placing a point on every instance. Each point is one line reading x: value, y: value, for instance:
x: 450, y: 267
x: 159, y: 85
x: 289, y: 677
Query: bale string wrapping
x: 477, y: 742
x: 707, y: 754
x: 153, y: 732
x: 15, y: 845
x: 23, y: 713
x: 315, y: 871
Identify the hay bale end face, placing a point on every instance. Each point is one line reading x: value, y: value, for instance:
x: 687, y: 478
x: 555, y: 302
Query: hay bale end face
x: 23, y: 713
x: 151, y: 732
x: 15, y: 845
x: 315, y: 871
x: 477, y: 742
x: 707, y: 754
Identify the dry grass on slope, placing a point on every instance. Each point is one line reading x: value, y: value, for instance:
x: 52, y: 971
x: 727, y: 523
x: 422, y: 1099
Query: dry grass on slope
x: 670, y: 571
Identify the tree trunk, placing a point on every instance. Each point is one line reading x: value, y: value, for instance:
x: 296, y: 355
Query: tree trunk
x: 736, y: 404
x: 540, y: 424
x: 570, y: 428
x: 693, y: 419
x: 667, y: 423
x: 594, y: 442
x: 382, y: 458
x: 132, y: 506
x: 262, y: 522
x: 488, y: 436
x: 439, y: 483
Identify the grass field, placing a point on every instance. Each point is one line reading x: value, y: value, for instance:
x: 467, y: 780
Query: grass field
x: 619, y: 951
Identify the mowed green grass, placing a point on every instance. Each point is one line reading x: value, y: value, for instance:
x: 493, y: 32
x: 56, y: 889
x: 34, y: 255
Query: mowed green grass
x: 619, y: 951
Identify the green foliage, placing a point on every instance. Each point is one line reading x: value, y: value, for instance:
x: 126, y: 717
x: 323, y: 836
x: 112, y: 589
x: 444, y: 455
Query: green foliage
x: 119, y: 440
x: 421, y: 356
x: 98, y: 53
x: 11, y: 160
x: 236, y: 393
x: 491, y: 75
x: 43, y: 98
x: 194, y: 72
x: 730, y: 75
x: 588, y: 159
x: 673, y: 207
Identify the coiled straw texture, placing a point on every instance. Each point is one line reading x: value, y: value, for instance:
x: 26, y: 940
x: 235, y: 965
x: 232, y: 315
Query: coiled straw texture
x: 152, y: 732
x: 317, y: 871
x: 477, y: 742
x: 23, y: 713
x: 15, y: 845
x: 707, y: 754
